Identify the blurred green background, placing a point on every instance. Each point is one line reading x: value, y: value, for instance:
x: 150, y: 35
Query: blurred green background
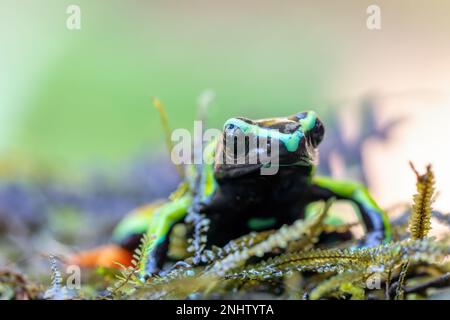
x: 76, y: 96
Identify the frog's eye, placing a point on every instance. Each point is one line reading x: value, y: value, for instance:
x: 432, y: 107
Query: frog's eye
x: 316, y: 133
x: 229, y: 126
x: 232, y: 130
x: 301, y: 115
x: 235, y: 141
x: 298, y: 116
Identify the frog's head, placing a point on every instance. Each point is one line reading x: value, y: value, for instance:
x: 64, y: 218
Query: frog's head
x: 296, y: 138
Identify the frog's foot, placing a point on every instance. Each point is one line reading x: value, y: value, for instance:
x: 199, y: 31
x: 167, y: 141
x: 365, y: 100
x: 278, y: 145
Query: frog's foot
x: 179, y: 265
x: 108, y: 256
x: 150, y: 269
x: 145, y: 276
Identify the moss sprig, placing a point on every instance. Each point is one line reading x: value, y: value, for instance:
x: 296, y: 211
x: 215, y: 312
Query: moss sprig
x: 420, y: 221
x: 375, y: 259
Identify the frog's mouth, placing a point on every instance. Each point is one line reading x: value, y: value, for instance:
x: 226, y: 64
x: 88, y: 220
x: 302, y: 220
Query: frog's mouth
x: 236, y: 170
x: 232, y: 164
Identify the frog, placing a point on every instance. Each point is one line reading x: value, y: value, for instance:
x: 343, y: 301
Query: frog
x: 228, y: 199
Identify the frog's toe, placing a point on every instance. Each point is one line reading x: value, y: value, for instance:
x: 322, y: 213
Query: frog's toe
x: 150, y: 270
x: 143, y: 277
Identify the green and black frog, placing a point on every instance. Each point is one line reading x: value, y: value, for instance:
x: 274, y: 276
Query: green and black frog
x: 226, y: 200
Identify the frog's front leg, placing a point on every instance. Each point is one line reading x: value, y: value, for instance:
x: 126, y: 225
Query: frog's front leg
x: 161, y: 225
x: 375, y: 221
